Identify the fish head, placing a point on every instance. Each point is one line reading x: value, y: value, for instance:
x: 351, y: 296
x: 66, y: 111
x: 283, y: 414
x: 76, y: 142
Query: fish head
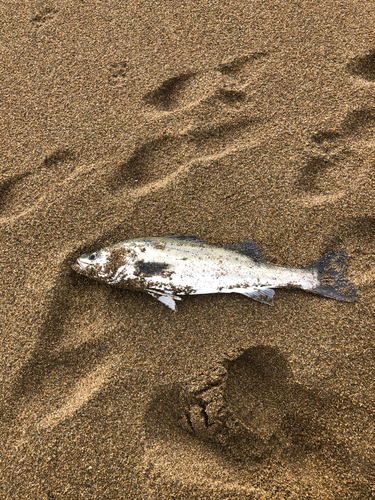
x: 107, y: 264
x: 92, y: 264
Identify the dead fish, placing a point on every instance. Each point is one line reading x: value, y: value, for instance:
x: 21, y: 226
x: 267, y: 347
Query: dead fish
x: 171, y: 266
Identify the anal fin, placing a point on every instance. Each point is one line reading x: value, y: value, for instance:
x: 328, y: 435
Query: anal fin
x: 264, y: 295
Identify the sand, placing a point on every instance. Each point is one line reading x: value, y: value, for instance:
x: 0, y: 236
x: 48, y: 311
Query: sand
x: 224, y: 120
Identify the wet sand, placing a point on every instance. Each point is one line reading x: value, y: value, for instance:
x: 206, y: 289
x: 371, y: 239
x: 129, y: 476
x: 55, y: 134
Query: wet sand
x: 222, y: 120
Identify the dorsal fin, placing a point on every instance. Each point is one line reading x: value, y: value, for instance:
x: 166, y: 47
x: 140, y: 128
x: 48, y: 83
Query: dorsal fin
x: 184, y: 238
x: 249, y: 248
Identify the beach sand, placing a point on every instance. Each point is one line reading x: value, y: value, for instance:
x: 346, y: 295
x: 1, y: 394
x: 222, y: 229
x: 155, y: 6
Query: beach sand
x: 224, y: 120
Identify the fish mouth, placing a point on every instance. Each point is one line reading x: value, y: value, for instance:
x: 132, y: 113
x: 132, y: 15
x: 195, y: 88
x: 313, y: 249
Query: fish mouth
x: 77, y: 267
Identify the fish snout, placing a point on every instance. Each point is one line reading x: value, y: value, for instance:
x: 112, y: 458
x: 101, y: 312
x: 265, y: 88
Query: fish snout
x: 77, y: 266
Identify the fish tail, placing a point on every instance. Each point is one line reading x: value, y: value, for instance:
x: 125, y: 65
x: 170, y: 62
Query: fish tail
x: 332, y: 282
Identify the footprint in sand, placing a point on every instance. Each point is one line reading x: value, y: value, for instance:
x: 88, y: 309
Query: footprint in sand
x: 249, y: 410
x: 158, y: 160
x: 239, y: 68
x: 21, y: 192
x: 340, y: 164
x: 254, y: 409
x: 227, y: 83
x: 338, y: 158
x: 363, y: 66
x: 117, y: 72
x: 358, y: 234
x: 72, y: 360
x: 44, y: 14
x: 170, y: 94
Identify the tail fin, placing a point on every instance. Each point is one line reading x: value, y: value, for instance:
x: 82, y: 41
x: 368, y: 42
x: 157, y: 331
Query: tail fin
x: 332, y: 282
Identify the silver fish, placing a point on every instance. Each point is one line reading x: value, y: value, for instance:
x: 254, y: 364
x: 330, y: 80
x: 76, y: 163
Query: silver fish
x: 171, y: 266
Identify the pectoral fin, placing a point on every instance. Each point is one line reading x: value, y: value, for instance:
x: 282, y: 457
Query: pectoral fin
x: 264, y: 295
x: 166, y: 299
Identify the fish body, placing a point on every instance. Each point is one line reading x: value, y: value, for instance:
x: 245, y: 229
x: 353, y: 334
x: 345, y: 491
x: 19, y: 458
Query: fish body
x: 170, y: 267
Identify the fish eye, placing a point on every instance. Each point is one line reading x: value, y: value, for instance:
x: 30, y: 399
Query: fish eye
x: 93, y: 256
